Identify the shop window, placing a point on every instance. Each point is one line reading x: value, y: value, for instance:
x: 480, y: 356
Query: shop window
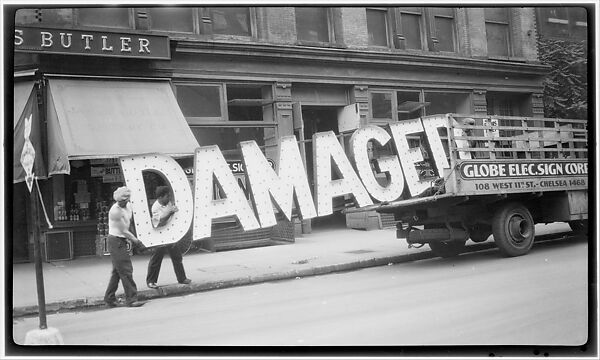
x: 228, y: 138
x: 497, y: 31
x: 446, y: 102
x: 113, y: 17
x: 381, y: 105
x: 247, y: 102
x: 313, y: 24
x: 231, y: 21
x: 409, y: 105
x: 175, y: 19
x: 202, y: 102
x: 564, y: 22
x: 377, y: 26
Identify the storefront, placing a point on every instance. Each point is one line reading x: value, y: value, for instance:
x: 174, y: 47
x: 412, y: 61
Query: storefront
x: 268, y: 81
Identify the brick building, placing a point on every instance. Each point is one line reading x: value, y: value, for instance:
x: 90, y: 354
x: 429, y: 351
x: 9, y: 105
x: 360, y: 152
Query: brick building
x: 260, y: 73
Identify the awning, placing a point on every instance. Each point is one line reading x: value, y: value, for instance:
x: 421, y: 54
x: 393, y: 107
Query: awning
x: 93, y: 119
x: 22, y: 90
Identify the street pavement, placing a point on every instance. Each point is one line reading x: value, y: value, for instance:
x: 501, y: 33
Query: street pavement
x: 80, y: 283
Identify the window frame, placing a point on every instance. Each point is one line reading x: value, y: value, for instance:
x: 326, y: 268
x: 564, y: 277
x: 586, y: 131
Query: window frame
x: 509, y: 36
x: 215, y: 120
x: 330, y: 29
x: 252, y: 25
x: 545, y: 21
x: 434, y: 31
x: 195, y: 23
x: 427, y: 29
x: 131, y: 14
x: 400, y: 36
x: 388, y: 26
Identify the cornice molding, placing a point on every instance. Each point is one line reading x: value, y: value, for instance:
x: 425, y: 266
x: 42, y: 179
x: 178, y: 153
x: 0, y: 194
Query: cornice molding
x: 293, y: 53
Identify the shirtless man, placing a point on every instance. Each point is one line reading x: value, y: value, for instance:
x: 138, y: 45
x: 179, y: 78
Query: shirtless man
x: 119, y: 218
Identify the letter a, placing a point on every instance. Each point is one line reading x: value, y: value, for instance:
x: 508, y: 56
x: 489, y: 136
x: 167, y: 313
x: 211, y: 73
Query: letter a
x: 210, y: 164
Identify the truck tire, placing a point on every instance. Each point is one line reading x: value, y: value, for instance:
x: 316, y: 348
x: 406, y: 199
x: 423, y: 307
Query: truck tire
x: 447, y: 249
x: 513, y: 229
x: 579, y: 226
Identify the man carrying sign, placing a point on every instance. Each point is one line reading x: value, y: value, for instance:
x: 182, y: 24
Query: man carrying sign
x: 162, y: 210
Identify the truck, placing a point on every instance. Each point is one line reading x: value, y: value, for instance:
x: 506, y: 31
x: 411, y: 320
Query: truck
x: 504, y: 175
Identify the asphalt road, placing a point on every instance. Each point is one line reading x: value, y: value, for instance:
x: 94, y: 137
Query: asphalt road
x: 474, y: 299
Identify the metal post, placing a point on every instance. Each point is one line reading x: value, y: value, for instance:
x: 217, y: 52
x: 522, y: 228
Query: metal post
x: 37, y: 253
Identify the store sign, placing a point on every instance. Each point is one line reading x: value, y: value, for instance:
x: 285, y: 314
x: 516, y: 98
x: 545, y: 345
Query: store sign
x: 84, y: 42
x: 286, y: 188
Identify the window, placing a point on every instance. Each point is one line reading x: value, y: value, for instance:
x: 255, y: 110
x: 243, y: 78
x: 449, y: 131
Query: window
x: 231, y: 21
x: 313, y: 24
x: 564, y: 22
x: 497, y: 31
x: 381, y: 105
x: 175, y: 19
x: 409, y: 106
x: 247, y: 102
x: 377, y: 27
x: 201, y: 102
x: 430, y: 28
x: 114, y: 17
x: 447, y: 102
x: 411, y: 28
x: 443, y: 22
x: 227, y: 138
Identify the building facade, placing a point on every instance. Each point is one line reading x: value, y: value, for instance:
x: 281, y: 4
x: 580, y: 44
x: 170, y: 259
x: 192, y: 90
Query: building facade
x: 260, y: 73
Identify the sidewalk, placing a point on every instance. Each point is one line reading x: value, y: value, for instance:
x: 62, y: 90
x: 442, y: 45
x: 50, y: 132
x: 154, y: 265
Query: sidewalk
x: 81, y: 282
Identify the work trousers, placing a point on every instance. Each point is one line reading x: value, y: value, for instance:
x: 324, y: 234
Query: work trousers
x: 122, y: 269
x: 156, y: 261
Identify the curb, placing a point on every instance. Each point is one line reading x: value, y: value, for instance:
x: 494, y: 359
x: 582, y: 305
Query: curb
x: 178, y: 290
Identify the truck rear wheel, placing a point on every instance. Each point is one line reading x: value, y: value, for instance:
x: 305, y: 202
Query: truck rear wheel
x: 447, y: 249
x: 513, y: 229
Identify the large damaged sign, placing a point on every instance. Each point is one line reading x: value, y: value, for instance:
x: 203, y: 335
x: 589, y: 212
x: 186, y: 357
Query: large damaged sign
x: 285, y: 188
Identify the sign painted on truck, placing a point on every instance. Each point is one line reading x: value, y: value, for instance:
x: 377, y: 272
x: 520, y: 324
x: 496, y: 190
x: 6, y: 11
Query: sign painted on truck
x: 97, y: 43
x: 522, y: 176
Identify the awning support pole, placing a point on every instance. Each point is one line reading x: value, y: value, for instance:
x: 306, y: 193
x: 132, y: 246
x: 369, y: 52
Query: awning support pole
x: 37, y: 253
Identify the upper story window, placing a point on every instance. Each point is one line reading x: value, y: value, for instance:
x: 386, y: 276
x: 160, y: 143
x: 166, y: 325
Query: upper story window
x: 425, y: 28
x: 313, y: 24
x: 113, y: 17
x: 564, y: 22
x: 174, y: 19
x: 411, y: 28
x: 231, y: 21
x: 377, y: 26
x: 443, y: 29
x: 497, y: 29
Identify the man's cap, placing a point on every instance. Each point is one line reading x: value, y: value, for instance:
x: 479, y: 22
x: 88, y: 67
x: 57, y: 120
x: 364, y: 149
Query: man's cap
x: 122, y: 193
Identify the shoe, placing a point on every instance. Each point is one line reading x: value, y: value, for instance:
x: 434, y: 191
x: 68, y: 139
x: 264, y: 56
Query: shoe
x: 136, y: 303
x: 111, y: 304
x: 185, y: 281
x: 152, y: 285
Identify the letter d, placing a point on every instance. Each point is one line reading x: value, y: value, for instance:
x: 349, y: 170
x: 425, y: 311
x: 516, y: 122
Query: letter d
x: 133, y: 168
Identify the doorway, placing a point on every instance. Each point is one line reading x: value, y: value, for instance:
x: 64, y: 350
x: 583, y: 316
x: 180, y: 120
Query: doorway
x: 321, y: 119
